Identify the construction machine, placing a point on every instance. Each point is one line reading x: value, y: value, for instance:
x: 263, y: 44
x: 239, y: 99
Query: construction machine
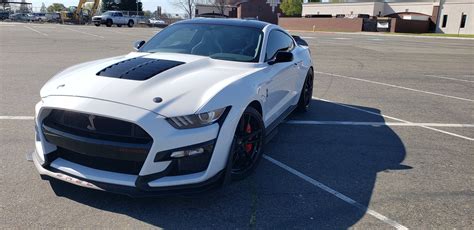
x: 80, y: 15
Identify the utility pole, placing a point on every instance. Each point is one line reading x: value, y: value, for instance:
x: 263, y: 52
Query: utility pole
x: 137, y: 7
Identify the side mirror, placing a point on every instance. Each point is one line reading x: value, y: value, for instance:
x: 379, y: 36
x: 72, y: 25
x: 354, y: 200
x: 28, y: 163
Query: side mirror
x: 282, y: 56
x: 138, y: 44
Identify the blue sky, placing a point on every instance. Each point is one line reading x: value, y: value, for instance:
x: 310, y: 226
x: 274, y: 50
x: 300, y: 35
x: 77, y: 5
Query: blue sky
x: 151, y: 5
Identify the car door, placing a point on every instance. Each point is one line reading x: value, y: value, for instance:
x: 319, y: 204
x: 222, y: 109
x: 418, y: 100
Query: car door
x: 281, y: 77
x: 118, y: 17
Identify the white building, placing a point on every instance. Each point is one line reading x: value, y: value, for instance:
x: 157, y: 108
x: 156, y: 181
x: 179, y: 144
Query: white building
x: 450, y: 16
x: 457, y: 16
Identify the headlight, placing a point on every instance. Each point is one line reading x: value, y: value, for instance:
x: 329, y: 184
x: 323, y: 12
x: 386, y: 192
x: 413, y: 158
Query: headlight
x: 196, y: 120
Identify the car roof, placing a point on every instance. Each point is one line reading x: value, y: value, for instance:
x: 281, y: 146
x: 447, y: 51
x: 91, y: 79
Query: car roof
x: 231, y: 22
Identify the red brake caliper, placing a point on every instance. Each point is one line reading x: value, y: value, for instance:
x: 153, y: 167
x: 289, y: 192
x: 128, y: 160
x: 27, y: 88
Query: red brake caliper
x: 248, y: 147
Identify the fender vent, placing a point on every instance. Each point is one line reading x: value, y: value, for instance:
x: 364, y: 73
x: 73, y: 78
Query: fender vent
x: 139, y: 69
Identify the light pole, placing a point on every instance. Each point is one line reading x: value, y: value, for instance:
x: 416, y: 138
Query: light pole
x: 137, y: 7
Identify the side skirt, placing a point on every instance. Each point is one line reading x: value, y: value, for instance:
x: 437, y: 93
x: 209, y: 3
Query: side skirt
x: 271, y: 130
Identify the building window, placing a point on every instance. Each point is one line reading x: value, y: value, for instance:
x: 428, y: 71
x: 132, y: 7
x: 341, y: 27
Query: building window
x: 445, y: 21
x: 463, y: 20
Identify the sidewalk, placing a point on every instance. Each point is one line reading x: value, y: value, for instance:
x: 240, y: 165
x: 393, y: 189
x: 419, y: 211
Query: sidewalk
x: 384, y: 34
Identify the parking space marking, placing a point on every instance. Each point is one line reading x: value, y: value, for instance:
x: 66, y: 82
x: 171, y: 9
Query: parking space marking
x: 39, y: 32
x: 356, y: 123
x: 335, y: 193
x: 448, y: 78
x: 342, y: 38
x: 376, y: 39
x: 395, y: 86
x: 397, y: 119
x: 82, y: 32
x: 16, y: 117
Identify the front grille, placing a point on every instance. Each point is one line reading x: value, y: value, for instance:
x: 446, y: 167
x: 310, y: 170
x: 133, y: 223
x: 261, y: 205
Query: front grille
x: 97, y: 142
x: 97, y: 127
x: 106, y: 164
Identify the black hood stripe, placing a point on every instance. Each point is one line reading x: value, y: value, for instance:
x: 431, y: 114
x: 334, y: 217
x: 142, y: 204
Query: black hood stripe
x: 139, y: 69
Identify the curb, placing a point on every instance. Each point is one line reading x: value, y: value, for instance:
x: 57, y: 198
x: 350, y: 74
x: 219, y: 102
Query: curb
x: 382, y: 34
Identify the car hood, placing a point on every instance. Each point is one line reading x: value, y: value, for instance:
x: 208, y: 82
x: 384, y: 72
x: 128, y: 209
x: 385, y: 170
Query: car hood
x: 186, y: 84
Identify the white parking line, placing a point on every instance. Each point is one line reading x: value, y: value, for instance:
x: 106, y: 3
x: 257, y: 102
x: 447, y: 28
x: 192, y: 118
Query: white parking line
x: 449, y: 78
x: 335, y: 193
x: 356, y: 123
x: 397, y: 119
x: 82, y: 32
x: 376, y: 39
x: 342, y: 38
x: 16, y: 117
x: 36, y: 31
x: 395, y: 86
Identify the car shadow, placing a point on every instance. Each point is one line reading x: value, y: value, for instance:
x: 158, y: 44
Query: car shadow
x: 346, y: 158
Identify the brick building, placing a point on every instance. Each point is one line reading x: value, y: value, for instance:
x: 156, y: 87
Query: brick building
x: 263, y: 10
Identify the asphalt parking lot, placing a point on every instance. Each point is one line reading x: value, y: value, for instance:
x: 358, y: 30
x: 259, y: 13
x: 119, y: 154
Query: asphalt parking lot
x: 388, y: 141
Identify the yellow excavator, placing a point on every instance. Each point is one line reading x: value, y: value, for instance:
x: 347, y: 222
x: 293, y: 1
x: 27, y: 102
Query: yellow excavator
x: 76, y: 15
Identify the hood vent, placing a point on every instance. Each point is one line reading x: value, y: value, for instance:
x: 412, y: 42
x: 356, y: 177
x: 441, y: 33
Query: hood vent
x: 138, y: 69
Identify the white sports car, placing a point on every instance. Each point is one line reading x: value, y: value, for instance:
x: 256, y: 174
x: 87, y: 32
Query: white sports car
x: 189, y: 110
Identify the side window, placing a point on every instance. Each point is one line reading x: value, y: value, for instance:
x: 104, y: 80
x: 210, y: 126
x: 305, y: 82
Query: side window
x: 278, y: 41
x: 119, y: 15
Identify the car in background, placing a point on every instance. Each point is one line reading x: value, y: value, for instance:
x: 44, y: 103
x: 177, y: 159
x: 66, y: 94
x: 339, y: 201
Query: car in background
x: 53, y: 17
x: 139, y: 19
x: 4, y: 15
x: 157, y: 22
x: 18, y: 17
x: 110, y: 18
x: 37, y: 17
x: 40, y: 17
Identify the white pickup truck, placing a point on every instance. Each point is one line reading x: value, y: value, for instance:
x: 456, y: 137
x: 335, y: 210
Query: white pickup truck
x: 110, y: 18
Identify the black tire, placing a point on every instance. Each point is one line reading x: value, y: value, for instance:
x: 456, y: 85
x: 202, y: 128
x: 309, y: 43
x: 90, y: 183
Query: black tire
x: 97, y: 24
x: 247, y: 146
x: 306, y: 94
x: 130, y: 23
x: 119, y: 25
x: 109, y: 23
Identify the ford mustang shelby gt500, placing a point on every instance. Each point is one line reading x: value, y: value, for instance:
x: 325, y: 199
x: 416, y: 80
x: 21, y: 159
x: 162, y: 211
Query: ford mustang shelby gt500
x: 190, y: 109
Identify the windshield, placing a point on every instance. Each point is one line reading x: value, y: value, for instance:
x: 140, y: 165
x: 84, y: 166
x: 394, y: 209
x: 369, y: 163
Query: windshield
x: 107, y: 13
x: 215, y: 41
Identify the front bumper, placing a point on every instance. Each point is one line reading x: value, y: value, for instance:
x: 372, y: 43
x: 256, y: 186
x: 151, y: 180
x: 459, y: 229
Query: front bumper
x: 155, y: 176
x: 98, y: 20
x: 52, y: 172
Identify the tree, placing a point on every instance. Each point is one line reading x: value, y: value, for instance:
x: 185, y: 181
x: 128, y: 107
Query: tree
x: 186, y: 5
x: 291, y: 7
x: 43, y: 8
x: 56, y: 7
x: 147, y: 13
x: 109, y: 5
x: 123, y: 5
x: 220, y: 5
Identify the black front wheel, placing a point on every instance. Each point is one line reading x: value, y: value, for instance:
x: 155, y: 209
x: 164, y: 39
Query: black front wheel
x: 109, y: 23
x: 247, y: 145
x: 306, y: 92
x: 130, y: 23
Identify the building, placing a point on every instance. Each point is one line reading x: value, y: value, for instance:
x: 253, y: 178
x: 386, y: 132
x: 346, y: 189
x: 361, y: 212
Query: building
x: 264, y: 10
x: 444, y: 16
x: 456, y: 17
x: 216, y: 11
x: 15, y: 6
